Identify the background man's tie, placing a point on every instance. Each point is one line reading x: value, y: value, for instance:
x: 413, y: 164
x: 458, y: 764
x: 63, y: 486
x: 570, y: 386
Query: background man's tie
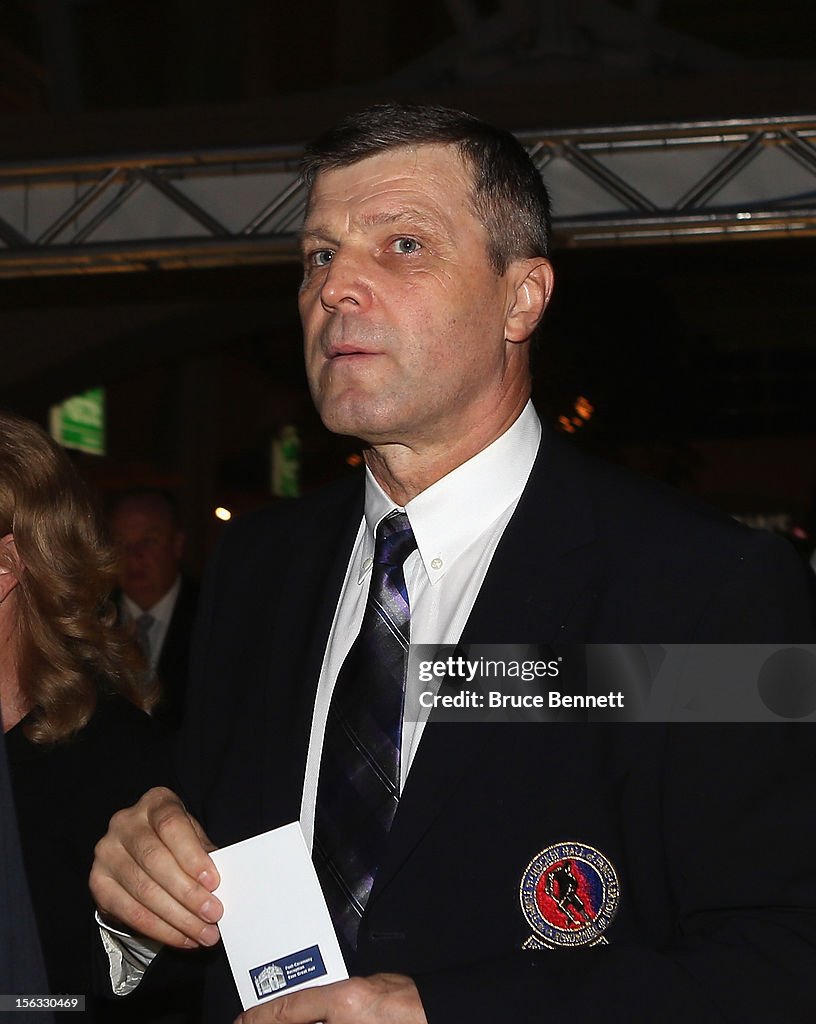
x: 143, y: 626
x: 359, y: 783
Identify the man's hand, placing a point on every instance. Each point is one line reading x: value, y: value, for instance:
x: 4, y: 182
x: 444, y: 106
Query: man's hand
x: 380, y: 999
x: 153, y: 875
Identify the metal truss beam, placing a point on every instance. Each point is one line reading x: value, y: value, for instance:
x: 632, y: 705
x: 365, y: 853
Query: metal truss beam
x: 642, y: 184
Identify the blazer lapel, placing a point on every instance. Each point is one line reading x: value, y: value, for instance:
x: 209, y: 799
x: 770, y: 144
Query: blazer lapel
x: 321, y: 568
x: 542, y: 574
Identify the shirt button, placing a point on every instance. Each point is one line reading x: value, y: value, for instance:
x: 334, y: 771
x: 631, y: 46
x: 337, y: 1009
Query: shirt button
x: 367, y: 564
x: 436, y: 563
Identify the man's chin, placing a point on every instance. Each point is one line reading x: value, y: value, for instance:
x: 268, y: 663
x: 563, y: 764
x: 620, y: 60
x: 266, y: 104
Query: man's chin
x: 141, y: 598
x: 351, y: 419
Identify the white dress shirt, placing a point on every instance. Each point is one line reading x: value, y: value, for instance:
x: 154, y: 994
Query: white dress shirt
x: 457, y: 523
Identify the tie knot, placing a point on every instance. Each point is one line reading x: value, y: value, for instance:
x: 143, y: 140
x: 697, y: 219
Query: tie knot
x: 395, y: 539
x: 144, y: 622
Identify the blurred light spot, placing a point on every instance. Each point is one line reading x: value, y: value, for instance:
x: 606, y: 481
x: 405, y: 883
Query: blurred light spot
x: 584, y: 407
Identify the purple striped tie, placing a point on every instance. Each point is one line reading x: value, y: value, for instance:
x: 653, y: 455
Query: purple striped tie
x: 359, y: 782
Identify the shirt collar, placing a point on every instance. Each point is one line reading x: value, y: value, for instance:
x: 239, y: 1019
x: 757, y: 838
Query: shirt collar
x: 162, y: 610
x: 451, y: 514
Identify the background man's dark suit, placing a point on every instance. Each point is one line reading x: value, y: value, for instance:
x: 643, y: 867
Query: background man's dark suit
x: 705, y: 825
x: 173, y: 666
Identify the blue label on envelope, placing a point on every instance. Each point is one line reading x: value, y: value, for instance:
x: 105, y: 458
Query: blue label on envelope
x: 287, y: 972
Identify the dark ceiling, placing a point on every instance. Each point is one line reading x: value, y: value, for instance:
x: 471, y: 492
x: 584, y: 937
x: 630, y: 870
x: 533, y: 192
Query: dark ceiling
x: 118, y: 54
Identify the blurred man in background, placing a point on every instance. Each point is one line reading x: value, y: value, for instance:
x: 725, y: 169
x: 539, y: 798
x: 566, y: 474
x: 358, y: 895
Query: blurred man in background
x: 155, y: 596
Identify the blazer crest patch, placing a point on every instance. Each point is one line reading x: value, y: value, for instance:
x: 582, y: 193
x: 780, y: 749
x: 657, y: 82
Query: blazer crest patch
x: 569, y: 895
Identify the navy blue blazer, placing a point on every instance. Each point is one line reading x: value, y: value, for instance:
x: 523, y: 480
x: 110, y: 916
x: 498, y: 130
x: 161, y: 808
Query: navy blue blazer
x: 707, y: 826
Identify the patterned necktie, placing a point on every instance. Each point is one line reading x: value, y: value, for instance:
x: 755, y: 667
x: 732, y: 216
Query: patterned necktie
x: 358, y: 787
x: 143, y: 626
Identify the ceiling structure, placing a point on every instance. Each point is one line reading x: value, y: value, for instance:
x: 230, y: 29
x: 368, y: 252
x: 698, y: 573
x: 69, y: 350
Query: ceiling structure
x: 625, y: 185
x: 135, y: 203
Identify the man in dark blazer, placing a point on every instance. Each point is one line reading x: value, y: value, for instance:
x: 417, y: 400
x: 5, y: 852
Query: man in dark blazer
x: 659, y: 848
x: 155, y: 597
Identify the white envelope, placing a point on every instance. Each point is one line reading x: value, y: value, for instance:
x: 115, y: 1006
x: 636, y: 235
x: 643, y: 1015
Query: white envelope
x: 276, y: 926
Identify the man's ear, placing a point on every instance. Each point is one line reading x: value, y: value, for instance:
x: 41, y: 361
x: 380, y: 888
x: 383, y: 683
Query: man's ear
x: 10, y: 566
x: 533, y: 285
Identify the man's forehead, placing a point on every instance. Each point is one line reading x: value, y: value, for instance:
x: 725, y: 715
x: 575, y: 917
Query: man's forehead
x: 413, y: 166
x: 141, y: 511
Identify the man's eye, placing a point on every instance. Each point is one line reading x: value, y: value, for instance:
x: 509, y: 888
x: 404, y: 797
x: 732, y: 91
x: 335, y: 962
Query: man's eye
x: 321, y: 258
x: 406, y: 246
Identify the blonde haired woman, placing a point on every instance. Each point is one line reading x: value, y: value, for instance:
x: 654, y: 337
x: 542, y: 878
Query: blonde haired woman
x: 79, y: 743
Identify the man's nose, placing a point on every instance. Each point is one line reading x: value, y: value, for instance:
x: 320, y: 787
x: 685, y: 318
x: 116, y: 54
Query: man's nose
x: 345, y: 287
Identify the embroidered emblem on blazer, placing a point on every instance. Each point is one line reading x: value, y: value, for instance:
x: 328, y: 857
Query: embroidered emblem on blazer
x: 569, y: 895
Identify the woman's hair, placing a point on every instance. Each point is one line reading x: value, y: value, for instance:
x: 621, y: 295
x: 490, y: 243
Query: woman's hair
x: 68, y: 646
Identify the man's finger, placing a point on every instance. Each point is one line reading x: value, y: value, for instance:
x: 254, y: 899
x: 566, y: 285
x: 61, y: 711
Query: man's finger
x: 127, y: 894
x: 153, y: 874
x: 309, y: 1006
x: 120, y: 909
x: 155, y: 848
x: 379, y: 999
x: 181, y: 836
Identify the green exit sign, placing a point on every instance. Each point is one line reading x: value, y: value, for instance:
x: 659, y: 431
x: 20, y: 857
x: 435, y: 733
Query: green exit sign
x: 79, y: 422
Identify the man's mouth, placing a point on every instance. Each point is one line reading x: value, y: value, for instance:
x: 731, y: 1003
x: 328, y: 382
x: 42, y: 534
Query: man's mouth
x: 344, y: 351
